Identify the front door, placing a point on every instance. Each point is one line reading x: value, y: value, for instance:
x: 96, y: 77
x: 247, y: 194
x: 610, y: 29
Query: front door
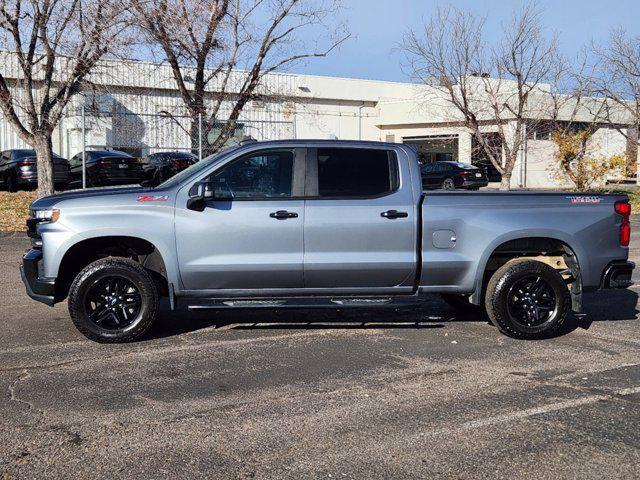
x: 360, y: 226
x: 250, y: 236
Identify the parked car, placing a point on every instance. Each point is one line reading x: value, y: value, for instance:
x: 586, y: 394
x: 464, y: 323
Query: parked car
x: 106, y: 167
x: 161, y: 166
x: 492, y: 174
x: 18, y: 169
x: 321, y: 224
x: 452, y: 175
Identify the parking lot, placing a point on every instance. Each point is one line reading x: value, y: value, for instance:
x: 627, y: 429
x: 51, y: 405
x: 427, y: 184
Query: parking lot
x: 409, y: 393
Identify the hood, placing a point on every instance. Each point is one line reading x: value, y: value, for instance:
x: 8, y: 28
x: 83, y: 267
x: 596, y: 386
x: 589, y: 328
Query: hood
x: 52, y: 200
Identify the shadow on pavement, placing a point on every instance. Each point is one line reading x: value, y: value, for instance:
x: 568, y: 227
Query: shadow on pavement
x: 425, y: 315
x: 605, y: 306
x: 431, y: 313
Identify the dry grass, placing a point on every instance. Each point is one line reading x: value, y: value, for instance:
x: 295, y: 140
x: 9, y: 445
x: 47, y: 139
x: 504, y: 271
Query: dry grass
x: 14, y: 209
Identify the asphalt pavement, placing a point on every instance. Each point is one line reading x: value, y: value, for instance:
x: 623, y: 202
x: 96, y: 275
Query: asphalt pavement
x: 418, y: 392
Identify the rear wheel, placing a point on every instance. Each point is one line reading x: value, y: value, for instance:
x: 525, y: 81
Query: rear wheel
x: 448, y: 184
x: 113, y: 300
x: 527, y: 299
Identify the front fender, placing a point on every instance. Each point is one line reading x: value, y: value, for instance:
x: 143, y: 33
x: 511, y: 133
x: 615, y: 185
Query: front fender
x: 154, y: 225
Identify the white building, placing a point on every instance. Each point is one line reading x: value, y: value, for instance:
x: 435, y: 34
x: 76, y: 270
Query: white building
x: 135, y: 106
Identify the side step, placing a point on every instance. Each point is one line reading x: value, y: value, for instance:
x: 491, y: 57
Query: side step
x: 298, y: 302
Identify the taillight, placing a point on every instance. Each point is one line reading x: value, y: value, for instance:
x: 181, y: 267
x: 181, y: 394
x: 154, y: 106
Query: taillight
x: 624, y: 209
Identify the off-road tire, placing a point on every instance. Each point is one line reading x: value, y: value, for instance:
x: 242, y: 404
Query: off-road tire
x: 131, y: 271
x: 497, y: 293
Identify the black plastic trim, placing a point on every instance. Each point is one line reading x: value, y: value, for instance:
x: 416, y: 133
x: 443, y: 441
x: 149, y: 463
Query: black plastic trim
x: 617, y: 275
x: 39, y: 289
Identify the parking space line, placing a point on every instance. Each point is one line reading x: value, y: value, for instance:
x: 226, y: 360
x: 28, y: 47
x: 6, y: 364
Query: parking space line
x: 552, y: 407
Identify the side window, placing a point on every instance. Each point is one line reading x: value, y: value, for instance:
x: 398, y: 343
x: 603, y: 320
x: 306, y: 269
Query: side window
x: 266, y: 174
x: 353, y: 172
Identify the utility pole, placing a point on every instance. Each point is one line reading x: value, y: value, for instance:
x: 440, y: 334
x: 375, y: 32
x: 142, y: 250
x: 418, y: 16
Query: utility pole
x: 84, y: 146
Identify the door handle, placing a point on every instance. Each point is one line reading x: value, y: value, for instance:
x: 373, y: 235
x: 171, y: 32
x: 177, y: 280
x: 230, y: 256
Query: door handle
x: 283, y: 215
x: 391, y: 214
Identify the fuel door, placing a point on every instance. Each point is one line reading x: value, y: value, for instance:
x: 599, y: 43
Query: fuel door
x: 444, y: 239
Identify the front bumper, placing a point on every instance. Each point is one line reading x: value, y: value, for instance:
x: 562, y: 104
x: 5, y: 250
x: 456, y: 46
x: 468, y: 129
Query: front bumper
x: 617, y: 275
x: 39, y: 289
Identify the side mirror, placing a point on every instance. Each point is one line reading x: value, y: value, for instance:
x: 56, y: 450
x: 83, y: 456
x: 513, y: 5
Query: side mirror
x: 198, y: 196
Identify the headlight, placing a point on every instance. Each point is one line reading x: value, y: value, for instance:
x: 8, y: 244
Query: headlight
x: 46, y: 216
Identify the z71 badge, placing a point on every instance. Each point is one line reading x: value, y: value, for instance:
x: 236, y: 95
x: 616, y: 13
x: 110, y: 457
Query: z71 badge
x: 585, y: 199
x: 152, y: 198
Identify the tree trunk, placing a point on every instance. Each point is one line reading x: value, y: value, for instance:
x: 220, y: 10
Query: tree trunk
x: 505, y: 183
x: 44, y: 160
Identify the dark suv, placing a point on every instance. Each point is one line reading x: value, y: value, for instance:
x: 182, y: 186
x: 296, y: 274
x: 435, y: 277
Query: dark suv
x: 106, y: 167
x: 452, y: 175
x: 160, y: 166
x: 18, y: 169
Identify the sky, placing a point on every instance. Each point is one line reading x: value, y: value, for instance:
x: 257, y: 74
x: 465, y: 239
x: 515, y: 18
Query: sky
x: 377, y: 26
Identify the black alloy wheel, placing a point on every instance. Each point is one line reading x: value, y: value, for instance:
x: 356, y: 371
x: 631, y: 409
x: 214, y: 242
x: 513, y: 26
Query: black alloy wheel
x: 532, y: 302
x: 114, y: 299
x: 527, y: 299
x: 112, y: 302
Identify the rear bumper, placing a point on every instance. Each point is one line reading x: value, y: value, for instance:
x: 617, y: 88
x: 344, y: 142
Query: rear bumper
x: 617, y: 275
x: 474, y: 183
x: 117, y: 178
x: 32, y: 179
x: 39, y: 289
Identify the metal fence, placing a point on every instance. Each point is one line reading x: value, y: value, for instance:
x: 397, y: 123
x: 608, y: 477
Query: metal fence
x: 89, y: 127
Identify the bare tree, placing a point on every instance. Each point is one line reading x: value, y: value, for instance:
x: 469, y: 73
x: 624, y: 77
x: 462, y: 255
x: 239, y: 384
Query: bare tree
x: 618, y: 82
x: 487, y: 89
x: 56, y: 43
x: 219, y: 51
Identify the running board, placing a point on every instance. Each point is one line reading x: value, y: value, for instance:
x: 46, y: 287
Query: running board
x: 297, y: 302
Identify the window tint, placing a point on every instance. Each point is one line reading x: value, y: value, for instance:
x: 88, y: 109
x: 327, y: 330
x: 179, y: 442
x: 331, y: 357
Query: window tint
x: 352, y: 172
x: 259, y: 175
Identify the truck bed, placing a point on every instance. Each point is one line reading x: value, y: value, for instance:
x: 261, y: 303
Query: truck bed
x: 462, y: 229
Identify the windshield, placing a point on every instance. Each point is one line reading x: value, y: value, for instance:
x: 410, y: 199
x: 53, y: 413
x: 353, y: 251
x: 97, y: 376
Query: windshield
x: 197, y: 167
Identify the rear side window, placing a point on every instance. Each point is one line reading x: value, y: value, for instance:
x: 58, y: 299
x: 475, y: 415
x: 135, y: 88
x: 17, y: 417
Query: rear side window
x: 354, y: 172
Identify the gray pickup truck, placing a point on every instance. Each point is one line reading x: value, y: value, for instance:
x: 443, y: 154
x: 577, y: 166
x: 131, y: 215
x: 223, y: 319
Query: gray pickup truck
x: 320, y: 224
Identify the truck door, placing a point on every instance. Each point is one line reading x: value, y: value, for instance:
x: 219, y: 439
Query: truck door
x: 250, y: 235
x: 360, y: 221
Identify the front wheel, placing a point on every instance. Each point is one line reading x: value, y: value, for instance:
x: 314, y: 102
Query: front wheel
x: 527, y: 299
x: 113, y: 300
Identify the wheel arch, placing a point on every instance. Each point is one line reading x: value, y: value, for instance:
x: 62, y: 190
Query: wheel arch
x: 508, y: 248
x: 86, y: 250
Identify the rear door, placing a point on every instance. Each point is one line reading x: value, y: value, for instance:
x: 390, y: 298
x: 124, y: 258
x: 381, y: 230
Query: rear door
x: 360, y: 221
